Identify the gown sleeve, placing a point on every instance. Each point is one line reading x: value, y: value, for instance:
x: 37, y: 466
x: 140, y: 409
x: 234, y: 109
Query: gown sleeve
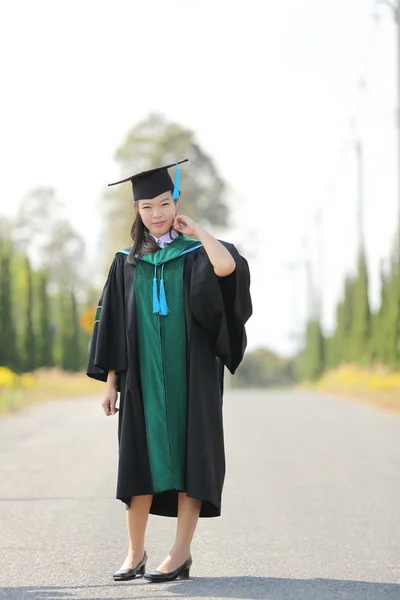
x: 222, y: 305
x: 108, y: 343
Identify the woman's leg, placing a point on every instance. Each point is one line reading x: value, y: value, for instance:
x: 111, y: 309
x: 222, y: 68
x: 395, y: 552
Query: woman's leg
x: 188, y: 515
x: 136, y: 519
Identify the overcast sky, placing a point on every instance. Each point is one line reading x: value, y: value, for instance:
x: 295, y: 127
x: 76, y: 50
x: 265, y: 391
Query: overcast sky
x: 269, y: 89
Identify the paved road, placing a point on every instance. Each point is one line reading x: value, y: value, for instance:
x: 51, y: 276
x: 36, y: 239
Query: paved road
x: 311, y: 505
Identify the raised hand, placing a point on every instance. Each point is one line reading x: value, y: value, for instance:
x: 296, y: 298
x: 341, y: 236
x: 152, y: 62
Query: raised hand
x: 186, y: 225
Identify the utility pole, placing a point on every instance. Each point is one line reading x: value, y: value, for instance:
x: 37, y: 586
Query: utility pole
x: 319, y: 266
x: 310, y: 291
x: 360, y: 194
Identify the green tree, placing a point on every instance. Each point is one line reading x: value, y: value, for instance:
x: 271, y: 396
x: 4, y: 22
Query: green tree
x: 156, y: 141
x: 41, y: 223
x: 392, y: 321
x: 380, y: 322
x: 8, y: 336
x: 59, y: 252
x: 262, y: 368
x: 45, y: 331
x: 313, y: 360
x: 344, y: 325
x: 76, y: 362
x: 337, y: 347
x: 331, y: 357
x: 70, y: 343
x: 29, y: 345
x: 361, y: 315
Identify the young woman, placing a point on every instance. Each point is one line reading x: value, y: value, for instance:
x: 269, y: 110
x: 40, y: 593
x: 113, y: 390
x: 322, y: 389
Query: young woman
x: 172, y: 315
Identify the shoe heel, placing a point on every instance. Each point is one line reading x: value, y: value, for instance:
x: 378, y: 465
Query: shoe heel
x: 142, y: 570
x: 186, y: 573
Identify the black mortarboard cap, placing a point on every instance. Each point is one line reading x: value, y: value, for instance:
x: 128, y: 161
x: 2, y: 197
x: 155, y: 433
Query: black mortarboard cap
x: 152, y: 183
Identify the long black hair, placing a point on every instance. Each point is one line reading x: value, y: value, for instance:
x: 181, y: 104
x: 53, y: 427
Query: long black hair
x: 143, y: 242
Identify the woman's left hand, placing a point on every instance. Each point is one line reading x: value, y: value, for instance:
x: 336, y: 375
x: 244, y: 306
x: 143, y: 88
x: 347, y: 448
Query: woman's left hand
x: 220, y: 258
x: 186, y: 225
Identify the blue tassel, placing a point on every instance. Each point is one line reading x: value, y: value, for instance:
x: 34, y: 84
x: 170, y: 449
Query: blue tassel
x: 175, y: 195
x: 164, y: 310
x: 156, y: 302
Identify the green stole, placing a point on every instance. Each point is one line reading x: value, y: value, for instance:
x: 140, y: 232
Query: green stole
x: 162, y: 351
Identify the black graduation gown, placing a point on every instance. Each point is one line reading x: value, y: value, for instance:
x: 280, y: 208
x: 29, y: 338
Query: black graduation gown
x: 216, y: 310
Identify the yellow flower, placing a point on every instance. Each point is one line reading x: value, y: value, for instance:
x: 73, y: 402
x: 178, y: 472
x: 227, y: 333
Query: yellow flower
x: 8, y: 379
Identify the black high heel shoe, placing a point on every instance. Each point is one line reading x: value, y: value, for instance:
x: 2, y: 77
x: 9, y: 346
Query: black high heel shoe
x: 183, y: 572
x: 128, y: 574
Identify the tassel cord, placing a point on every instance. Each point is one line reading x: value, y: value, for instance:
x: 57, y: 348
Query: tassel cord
x: 164, y: 310
x: 177, y: 184
x: 156, y: 301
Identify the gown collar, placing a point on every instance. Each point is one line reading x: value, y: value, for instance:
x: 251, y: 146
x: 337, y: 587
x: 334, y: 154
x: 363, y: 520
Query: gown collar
x: 165, y: 239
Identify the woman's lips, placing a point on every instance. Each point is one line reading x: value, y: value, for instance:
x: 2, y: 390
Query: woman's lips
x: 159, y: 224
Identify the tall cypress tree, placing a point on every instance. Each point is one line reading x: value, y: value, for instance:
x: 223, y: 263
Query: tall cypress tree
x: 394, y: 320
x: 339, y: 336
x: 45, y: 342
x: 347, y: 354
x: 380, y: 322
x: 390, y: 317
x: 64, y: 323
x: 75, y: 335
x: 361, y: 315
x: 29, y: 342
x: 395, y: 305
x: 69, y: 333
x: 330, y: 352
x: 8, y: 336
x: 315, y: 355
x: 340, y: 346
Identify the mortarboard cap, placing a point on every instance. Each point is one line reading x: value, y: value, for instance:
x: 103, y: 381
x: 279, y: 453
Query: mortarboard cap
x: 152, y: 183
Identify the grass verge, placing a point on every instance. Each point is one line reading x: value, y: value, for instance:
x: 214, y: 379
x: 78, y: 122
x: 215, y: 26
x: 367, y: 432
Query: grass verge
x: 48, y: 385
x: 377, y: 386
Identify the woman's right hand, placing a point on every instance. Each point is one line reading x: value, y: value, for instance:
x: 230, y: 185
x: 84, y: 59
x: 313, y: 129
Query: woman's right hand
x: 109, y: 401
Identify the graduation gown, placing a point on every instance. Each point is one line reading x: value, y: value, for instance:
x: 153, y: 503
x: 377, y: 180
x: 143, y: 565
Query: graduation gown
x: 170, y: 370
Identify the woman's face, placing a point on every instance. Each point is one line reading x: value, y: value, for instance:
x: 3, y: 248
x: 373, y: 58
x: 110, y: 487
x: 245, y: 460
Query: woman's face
x: 158, y: 214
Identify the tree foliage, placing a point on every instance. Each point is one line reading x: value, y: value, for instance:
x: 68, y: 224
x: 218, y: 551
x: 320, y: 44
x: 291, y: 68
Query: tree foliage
x: 311, y: 362
x: 45, y: 326
x: 8, y: 332
x: 54, y: 245
x: 263, y: 368
x: 69, y: 337
x: 360, y: 336
x: 34, y: 332
x: 29, y: 342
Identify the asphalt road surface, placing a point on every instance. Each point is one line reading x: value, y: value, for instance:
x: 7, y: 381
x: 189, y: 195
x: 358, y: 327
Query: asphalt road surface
x: 311, y: 507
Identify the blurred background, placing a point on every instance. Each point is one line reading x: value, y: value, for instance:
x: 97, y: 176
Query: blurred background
x: 288, y: 113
